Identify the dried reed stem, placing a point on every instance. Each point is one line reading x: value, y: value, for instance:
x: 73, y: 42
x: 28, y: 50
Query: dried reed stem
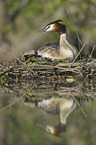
x: 79, y: 105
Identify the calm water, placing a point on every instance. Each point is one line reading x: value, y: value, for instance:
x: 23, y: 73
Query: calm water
x: 48, y: 112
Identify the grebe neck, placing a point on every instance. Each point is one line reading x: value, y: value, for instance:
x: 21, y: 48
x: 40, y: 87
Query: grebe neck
x: 65, y: 46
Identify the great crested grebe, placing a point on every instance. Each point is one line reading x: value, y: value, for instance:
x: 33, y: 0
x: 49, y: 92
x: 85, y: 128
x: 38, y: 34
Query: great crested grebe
x: 55, y: 50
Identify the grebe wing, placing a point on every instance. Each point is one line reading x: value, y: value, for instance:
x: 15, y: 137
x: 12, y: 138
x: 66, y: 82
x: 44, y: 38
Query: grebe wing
x: 53, y: 44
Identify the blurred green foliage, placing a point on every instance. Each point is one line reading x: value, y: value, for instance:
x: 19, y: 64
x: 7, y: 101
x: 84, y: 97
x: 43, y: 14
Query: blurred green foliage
x: 2, y: 79
x: 30, y: 10
x: 12, y: 6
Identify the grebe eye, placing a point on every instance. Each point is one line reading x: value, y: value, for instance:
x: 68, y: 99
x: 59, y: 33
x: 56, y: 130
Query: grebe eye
x: 47, y: 27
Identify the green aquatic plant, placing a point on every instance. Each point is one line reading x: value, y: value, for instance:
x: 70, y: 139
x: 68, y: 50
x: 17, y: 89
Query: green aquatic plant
x: 2, y: 79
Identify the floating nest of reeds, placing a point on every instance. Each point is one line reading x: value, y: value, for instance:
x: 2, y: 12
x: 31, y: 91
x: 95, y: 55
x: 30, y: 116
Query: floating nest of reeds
x: 34, y: 67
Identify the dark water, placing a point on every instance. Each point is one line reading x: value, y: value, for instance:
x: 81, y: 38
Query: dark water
x: 48, y: 112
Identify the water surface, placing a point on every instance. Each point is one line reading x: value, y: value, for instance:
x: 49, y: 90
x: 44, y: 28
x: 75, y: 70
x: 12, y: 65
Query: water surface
x: 36, y: 112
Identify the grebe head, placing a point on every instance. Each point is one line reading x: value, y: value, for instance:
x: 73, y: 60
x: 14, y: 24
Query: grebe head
x: 55, y: 26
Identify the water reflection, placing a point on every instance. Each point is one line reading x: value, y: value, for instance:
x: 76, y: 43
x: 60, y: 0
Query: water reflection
x: 61, y: 106
x: 38, y: 108
x: 50, y: 88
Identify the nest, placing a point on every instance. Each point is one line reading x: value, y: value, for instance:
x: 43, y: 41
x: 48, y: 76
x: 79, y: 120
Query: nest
x: 35, y: 67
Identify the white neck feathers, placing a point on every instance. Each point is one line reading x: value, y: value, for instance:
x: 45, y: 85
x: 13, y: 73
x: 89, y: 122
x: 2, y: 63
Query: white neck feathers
x: 65, y: 47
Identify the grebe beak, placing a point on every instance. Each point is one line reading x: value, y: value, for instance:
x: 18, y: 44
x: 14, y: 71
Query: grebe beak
x: 42, y: 30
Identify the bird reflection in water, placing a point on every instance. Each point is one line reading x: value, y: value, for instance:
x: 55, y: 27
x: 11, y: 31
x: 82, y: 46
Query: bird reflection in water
x: 62, y: 106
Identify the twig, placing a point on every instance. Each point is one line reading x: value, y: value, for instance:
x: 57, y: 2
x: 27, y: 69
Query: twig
x: 5, y: 71
x: 79, y: 105
x: 91, y: 54
x: 77, y: 55
x: 73, y: 25
x: 13, y: 56
x: 92, y: 62
x: 9, y: 105
x: 91, y: 104
x: 93, y: 96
